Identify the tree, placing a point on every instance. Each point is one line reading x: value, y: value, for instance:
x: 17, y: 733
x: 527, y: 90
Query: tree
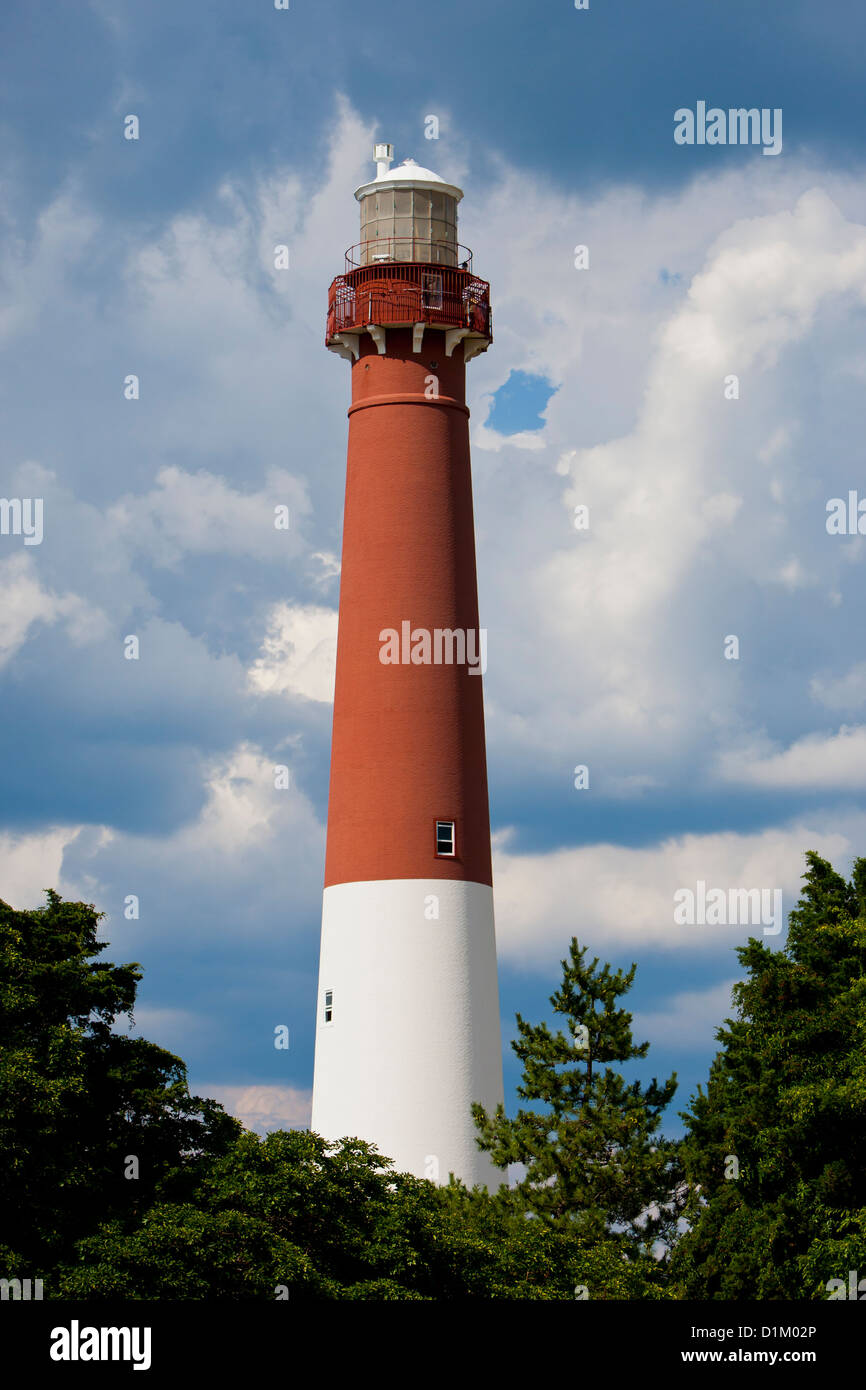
x: 78, y: 1100
x: 594, y: 1159
x: 216, y: 1212
x: 295, y: 1216
x: 776, y: 1146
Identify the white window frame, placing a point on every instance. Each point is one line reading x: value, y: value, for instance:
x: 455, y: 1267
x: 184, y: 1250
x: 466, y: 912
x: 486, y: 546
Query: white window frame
x: 444, y: 853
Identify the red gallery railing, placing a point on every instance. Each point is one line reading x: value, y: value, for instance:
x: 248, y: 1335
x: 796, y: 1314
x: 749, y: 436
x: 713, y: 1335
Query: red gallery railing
x: 401, y: 292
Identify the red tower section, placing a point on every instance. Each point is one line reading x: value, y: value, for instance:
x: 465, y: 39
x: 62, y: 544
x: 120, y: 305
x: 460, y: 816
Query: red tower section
x: 408, y: 740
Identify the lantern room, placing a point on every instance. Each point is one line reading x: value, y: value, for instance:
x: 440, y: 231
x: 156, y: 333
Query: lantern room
x: 407, y: 214
x: 408, y: 269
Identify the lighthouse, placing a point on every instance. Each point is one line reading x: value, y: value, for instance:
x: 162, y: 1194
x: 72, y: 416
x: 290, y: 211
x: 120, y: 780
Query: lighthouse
x: 408, y: 1031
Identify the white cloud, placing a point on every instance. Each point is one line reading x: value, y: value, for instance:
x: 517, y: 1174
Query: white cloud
x: 243, y: 812
x: 612, y: 897
x: 299, y: 653
x: 244, y: 341
x: 200, y: 513
x: 249, y: 845
x: 39, y: 271
x: 31, y: 863
x: 792, y: 575
x: 686, y: 1021
x: 722, y: 507
x: 25, y: 602
x: 654, y: 511
x: 816, y: 761
x: 329, y: 567
x: 597, y: 639
x: 243, y: 809
x: 706, y: 514
x: 846, y: 692
x: 261, y: 1108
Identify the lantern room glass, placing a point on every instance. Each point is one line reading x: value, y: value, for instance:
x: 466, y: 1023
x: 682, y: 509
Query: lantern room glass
x: 409, y: 224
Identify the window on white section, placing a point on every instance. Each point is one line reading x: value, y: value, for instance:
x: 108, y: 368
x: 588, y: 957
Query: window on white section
x: 445, y: 838
x: 329, y: 1006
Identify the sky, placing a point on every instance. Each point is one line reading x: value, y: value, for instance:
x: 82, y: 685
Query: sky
x: 690, y: 386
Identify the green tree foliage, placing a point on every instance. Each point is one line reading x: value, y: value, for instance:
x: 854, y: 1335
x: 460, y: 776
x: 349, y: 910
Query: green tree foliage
x: 786, y: 1099
x: 217, y: 1212
x: 76, y: 1098
x: 293, y: 1215
x: 594, y: 1158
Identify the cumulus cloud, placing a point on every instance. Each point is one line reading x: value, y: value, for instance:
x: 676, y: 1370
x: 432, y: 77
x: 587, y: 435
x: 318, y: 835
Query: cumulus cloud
x: 252, y: 834
x: 25, y: 603
x: 31, y: 863
x: 816, y: 761
x: 40, y: 271
x: 687, y: 1020
x: 620, y: 611
x: 706, y: 518
x: 847, y: 692
x: 612, y: 897
x: 601, y: 639
x: 262, y: 1108
x: 201, y: 514
x: 299, y: 653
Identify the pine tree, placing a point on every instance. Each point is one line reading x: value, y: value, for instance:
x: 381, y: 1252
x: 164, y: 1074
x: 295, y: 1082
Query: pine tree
x: 594, y: 1159
x: 776, y: 1146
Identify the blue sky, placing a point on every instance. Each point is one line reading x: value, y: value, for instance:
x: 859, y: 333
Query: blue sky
x: 604, y: 388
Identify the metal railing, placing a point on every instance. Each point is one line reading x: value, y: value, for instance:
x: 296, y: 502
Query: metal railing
x: 400, y: 293
x: 403, y: 249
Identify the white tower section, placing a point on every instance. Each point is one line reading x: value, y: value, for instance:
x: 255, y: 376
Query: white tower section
x: 413, y: 1036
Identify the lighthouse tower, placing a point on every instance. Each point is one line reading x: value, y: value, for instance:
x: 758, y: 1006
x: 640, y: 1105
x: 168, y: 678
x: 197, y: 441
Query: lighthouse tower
x: 408, y: 1032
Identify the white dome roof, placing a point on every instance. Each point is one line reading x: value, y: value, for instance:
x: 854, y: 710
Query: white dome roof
x: 407, y: 175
